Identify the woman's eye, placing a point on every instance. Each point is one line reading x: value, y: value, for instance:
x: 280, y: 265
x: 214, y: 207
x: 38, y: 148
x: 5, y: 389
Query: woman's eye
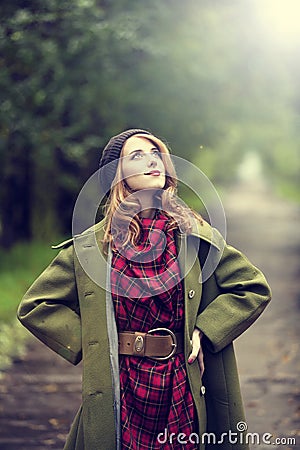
x: 140, y: 155
x: 156, y: 153
x: 137, y: 156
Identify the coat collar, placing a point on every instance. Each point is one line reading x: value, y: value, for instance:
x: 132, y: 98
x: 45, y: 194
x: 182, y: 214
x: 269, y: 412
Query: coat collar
x: 207, y: 233
x: 202, y: 231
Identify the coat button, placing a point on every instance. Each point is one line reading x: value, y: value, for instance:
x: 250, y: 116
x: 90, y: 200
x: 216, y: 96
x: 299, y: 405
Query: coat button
x: 191, y: 293
x: 202, y: 390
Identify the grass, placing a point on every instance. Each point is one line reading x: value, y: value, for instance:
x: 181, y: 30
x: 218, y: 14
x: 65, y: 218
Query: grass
x: 18, y: 269
x: 289, y: 191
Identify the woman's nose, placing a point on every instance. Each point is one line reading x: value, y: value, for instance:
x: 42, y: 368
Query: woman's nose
x: 152, y: 161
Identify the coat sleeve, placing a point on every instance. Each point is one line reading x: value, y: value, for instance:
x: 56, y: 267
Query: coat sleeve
x: 239, y: 294
x: 50, y: 308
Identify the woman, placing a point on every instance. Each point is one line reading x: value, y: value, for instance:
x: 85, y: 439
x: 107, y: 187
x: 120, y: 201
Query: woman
x: 158, y: 362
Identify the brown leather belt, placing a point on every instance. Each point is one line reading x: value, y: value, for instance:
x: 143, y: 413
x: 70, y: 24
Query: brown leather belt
x: 158, y: 346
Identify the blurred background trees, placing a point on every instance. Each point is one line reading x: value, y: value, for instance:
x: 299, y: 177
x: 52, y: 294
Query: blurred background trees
x: 207, y: 76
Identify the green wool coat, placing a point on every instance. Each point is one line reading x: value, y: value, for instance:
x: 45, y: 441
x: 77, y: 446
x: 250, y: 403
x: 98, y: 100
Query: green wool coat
x: 66, y: 309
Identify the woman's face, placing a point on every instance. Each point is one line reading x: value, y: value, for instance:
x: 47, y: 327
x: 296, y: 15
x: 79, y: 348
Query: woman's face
x: 142, y: 165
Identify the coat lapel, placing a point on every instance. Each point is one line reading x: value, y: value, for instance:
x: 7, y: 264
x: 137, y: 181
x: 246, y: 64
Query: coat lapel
x: 98, y: 392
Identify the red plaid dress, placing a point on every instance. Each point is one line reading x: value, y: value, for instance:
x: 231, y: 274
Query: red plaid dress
x: 147, y: 293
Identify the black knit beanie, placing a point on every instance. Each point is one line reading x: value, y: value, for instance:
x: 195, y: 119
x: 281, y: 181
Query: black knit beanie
x: 111, y: 155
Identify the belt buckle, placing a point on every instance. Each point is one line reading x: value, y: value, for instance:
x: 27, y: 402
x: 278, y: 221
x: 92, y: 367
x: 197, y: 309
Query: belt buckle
x: 174, y: 344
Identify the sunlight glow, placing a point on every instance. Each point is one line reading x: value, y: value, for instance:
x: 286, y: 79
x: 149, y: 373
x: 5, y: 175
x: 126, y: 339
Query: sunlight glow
x: 281, y: 19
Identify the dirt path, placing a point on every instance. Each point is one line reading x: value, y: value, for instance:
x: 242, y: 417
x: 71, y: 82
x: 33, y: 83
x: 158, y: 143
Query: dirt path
x: 267, y: 230
x: 38, y: 400
x: 40, y: 395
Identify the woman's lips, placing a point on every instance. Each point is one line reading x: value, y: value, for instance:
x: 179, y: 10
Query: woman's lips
x: 154, y: 173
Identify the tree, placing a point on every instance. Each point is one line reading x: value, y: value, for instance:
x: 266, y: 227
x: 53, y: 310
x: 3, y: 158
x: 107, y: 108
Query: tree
x: 73, y: 74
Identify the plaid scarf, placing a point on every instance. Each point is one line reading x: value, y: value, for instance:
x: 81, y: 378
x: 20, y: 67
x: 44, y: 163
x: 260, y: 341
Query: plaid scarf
x: 149, y: 273
x: 150, y: 268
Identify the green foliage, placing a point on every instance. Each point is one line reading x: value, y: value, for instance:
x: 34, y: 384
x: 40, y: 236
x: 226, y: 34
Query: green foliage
x: 74, y: 73
x: 18, y: 269
x: 13, y: 339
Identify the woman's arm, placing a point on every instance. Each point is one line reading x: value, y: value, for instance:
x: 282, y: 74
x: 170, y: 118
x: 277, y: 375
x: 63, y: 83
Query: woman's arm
x: 241, y: 294
x: 50, y: 308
